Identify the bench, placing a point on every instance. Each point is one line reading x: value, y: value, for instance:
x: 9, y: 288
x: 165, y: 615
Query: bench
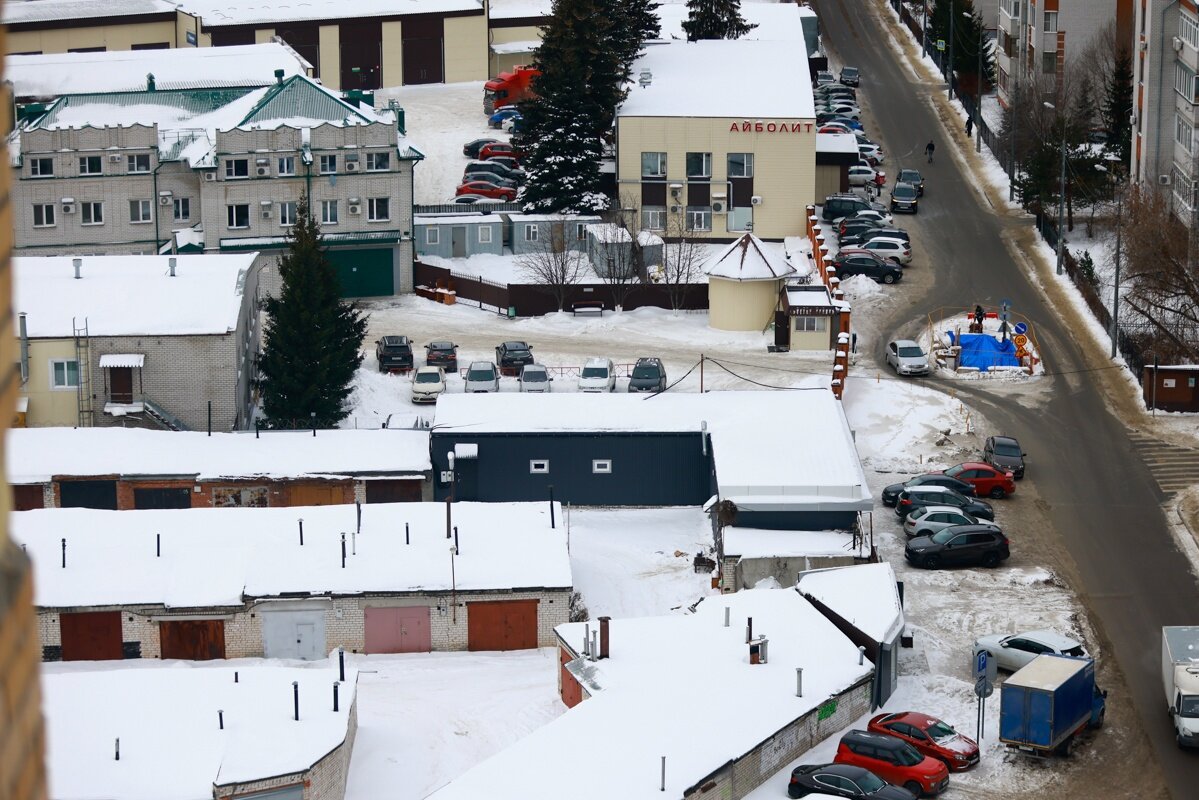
x: 587, y: 306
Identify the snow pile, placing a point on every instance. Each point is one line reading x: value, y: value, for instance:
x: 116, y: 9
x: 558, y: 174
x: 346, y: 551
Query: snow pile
x: 763, y: 543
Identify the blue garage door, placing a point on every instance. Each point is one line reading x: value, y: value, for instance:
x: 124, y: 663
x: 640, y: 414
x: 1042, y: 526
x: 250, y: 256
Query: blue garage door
x: 365, y: 272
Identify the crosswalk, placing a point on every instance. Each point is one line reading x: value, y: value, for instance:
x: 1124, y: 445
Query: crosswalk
x: 1173, y: 467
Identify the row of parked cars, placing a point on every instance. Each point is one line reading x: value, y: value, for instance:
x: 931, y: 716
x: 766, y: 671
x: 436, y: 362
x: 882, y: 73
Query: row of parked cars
x: 493, y: 172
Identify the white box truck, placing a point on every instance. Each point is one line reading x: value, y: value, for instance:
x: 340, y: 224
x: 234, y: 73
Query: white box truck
x: 1180, y: 674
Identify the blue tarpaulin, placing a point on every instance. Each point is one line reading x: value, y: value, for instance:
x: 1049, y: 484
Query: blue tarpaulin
x: 982, y: 352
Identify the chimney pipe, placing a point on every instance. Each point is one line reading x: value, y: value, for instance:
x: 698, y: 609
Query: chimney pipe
x: 603, y: 632
x: 727, y: 612
x: 861, y: 655
x: 749, y: 629
x: 24, y: 347
x: 235, y: 676
x: 117, y: 749
x: 158, y: 545
x: 77, y: 263
x: 335, y: 685
x: 799, y: 681
x: 595, y: 645
x: 279, y: 76
x: 171, y: 263
x: 341, y: 663
x: 220, y: 718
x: 150, y: 83
x: 586, y: 639
x: 295, y: 690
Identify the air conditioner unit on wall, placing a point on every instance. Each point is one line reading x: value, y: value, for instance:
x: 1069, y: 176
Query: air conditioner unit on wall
x: 675, y: 209
x: 68, y: 208
x: 719, y: 207
x: 1164, y: 180
x: 1177, y: 42
x: 115, y: 158
x: 266, y: 212
x: 263, y: 172
x: 164, y: 200
x: 351, y: 166
x: 210, y: 176
x: 354, y: 209
x: 756, y: 200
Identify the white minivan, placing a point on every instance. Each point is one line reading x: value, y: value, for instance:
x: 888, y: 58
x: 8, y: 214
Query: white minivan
x: 598, y: 375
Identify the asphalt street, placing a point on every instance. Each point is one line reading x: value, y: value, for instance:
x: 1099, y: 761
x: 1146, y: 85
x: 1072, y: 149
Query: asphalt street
x: 1099, y: 496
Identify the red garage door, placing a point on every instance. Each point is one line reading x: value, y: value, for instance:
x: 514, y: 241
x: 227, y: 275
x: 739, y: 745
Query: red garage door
x: 398, y: 630
x: 571, y: 691
x: 91, y: 636
x: 502, y: 625
x: 193, y: 639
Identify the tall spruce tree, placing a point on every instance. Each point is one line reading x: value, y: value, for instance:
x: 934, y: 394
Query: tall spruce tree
x: 1117, y: 105
x: 715, y: 19
x: 967, y: 26
x: 313, y: 338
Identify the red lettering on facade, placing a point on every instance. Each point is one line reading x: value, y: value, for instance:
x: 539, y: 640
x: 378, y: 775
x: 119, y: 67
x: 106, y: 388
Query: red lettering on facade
x: 771, y: 127
x: 744, y: 126
x: 733, y: 128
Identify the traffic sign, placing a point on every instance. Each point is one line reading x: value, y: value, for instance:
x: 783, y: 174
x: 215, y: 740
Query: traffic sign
x: 1020, y: 340
x: 1021, y: 328
x: 983, y: 687
x: 1005, y: 304
x: 980, y: 664
x: 941, y: 45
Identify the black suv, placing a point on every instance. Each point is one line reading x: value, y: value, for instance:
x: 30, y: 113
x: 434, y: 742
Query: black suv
x: 959, y: 545
x: 891, y: 493
x: 511, y: 356
x: 905, y: 197
x: 917, y: 496
x: 863, y: 262
x: 394, y: 354
x: 442, y: 354
x: 845, y: 205
x: 648, y: 376
x: 1005, y: 453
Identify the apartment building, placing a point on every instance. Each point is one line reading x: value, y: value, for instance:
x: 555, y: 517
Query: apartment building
x: 219, y: 169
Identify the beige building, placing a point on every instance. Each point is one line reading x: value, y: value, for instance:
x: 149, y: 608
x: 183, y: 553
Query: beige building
x: 744, y: 283
x: 718, y: 139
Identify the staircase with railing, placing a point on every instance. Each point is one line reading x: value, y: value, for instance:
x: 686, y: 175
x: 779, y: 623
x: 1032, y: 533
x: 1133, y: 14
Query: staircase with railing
x: 83, y: 379
x: 163, y: 417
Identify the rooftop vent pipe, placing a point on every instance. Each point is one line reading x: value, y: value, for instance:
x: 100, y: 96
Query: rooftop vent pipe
x: 78, y: 264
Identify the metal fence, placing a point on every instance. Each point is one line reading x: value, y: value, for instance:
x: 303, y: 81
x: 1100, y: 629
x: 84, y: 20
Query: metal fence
x: 468, y: 208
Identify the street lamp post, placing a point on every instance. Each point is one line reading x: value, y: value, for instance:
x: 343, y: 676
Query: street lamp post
x: 1115, y: 327
x: 924, y: 32
x: 949, y: 64
x: 1061, y: 198
x: 978, y: 90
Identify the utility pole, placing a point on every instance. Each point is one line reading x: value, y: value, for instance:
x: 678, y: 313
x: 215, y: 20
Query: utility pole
x: 1013, y: 118
x: 1061, y: 204
x: 978, y: 96
x: 949, y: 64
x: 924, y: 32
x: 1116, y: 289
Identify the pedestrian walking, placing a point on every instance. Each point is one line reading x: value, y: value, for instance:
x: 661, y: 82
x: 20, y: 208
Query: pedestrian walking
x: 929, y: 149
x: 969, y: 126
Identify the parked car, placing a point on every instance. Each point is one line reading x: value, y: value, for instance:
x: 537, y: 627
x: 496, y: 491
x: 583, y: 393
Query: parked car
x: 958, y: 546
x: 482, y: 376
x: 863, y: 235
x: 394, y: 354
x: 428, y: 383
x: 927, y: 520
x: 986, y: 480
x: 863, y: 262
x: 929, y: 735
x: 598, y: 375
x: 838, y: 89
x: 471, y: 149
x: 850, y: 76
x: 469, y: 199
x: 535, y: 378
x: 442, y: 353
x: 511, y: 356
x: 829, y: 126
x: 905, y: 197
x: 514, y: 124
x: 871, y: 152
x: 486, y: 189
x: 842, y: 780
x: 893, y: 760
x: 913, y: 177
x: 892, y: 492
x: 824, y: 77
x: 907, y: 357
x: 648, y: 376
x: 495, y: 168
x: 1013, y: 651
x: 916, y: 496
x: 837, y: 206
x: 497, y: 119
x: 861, y: 176
x: 875, y: 213
x: 488, y: 177
x: 506, y: 161
x: 494, y: 149
x: 896, y: 250
x: 854, y: 125
x: 851, y: 225
x: 841, y: 109
x: 1004, y: 452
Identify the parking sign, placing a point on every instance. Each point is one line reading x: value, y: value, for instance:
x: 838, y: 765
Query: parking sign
x: 980, y: 664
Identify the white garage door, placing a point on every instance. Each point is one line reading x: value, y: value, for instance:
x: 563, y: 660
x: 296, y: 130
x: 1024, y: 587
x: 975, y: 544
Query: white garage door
x: 293, y: 634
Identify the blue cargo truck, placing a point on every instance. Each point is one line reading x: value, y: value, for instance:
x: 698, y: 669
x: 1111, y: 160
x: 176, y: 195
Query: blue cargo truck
x: 1045, y: 705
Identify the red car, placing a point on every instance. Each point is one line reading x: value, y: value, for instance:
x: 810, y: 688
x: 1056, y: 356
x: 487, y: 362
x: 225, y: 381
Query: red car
x: 498, y: 149
x: 485, y: 189
x: 930, y: 736
x: 986, y: 480
x: 893, y: 760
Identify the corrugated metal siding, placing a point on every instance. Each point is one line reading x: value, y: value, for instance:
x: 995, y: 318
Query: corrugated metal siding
x: 651, y: 469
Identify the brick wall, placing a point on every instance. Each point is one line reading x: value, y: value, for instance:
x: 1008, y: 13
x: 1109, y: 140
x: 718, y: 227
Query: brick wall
x: 247, y: 493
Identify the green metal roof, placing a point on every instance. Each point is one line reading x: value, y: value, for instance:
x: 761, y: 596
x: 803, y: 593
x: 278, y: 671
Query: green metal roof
x: 298, y: 97
x: 250, y: 243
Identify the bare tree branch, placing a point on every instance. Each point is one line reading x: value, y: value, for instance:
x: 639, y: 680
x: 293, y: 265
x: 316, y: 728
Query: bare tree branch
x: 553, y: 264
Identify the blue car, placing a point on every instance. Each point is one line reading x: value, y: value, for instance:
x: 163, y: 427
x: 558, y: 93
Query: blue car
x: 497, y: 119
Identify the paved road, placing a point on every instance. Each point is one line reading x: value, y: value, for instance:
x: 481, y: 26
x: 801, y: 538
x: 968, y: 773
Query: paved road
x: 1100, y: 498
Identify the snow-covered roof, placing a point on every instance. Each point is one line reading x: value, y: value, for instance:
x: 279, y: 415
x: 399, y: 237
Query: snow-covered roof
x: 36, y: 455
x: 654, y: 696
x: 457, y: 219
x: 747, y: 259
x: 165, y: 715
x: 763, y: 543
x: 512, y: 48
x: 806, y: 458
x: 836, y: 143
x: 815, y: 294
x: 219, y: 13
x: 609, y: 233
x: 217, y: 557
x: 130, y: 295
x: 864, y: 595
x: 56, y: 74
x: 775, y: 21
x: 552, y: 217
x: 696, y: 79
x: 517, y: 9
x: 56, y: 10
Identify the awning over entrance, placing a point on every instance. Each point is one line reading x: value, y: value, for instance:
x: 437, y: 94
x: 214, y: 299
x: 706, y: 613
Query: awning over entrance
x: 122, y: 360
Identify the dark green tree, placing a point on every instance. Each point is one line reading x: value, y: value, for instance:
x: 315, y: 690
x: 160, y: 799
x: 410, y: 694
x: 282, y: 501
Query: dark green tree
x: 562, y: 162
x: 715, y: 19
x: 312, y: 341
x: 1117, y: 105
x: 967, y: 27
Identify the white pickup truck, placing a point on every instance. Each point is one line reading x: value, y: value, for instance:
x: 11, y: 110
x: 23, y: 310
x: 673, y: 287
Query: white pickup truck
x: 1180, y: 674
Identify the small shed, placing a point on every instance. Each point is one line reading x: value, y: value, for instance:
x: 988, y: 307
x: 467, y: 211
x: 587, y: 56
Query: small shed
x: 610, y: 246
x: 530, y: 233
x: 1171, y: 387
x: 810, y: 316
x: 835, y: 154
x: 743, y: 286
x: 459, y: 235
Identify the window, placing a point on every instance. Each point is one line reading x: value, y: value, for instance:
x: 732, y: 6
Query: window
x: 237, y: 168
x: 92, y: 213
x: 1048, y: 62
x: 1183, y: 132
x: 138, y: 162
x: 531, y: 233
x: 539, y: 466
x: 601, y: 466
x: 1184, y: 81
x: 378, y: 209
x: 378, y: 162
x: 287, y: 213
x: 41, y: 168
x: 699, y: 218
x: 183, y: 209
x: 809, y: 324
x: 581, y: 231
x: 699, y: 165
x: 1181, y: 184
x: 287, y: 165
x: 329, y: 212
x: 64, y: 374
x: 43, y: 215
x: 1050, y: 22
x: 1188, y: 29
x: 484, y: 234
x: 139, y: 211
x: 653, y: 165
x: 432, y: 236
x: 653, y: 218
x: 90, y: 165
x: 238, y: 215
x: 741, y: 165
x: 328, y: 164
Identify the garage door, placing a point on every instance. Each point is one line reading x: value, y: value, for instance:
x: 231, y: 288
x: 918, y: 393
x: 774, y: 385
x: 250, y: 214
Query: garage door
x: 28, y: 497
x: 502, y: 625
x: 195, y: 640
x: 91, y: 636
x: 293, y: 634
x: 88, y: 494
x: 393, y: 491
x: 571, y: 692
x: 364, y: 273
x: 180, y: 497
x: 398, y: 630
x: 315, y: 494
